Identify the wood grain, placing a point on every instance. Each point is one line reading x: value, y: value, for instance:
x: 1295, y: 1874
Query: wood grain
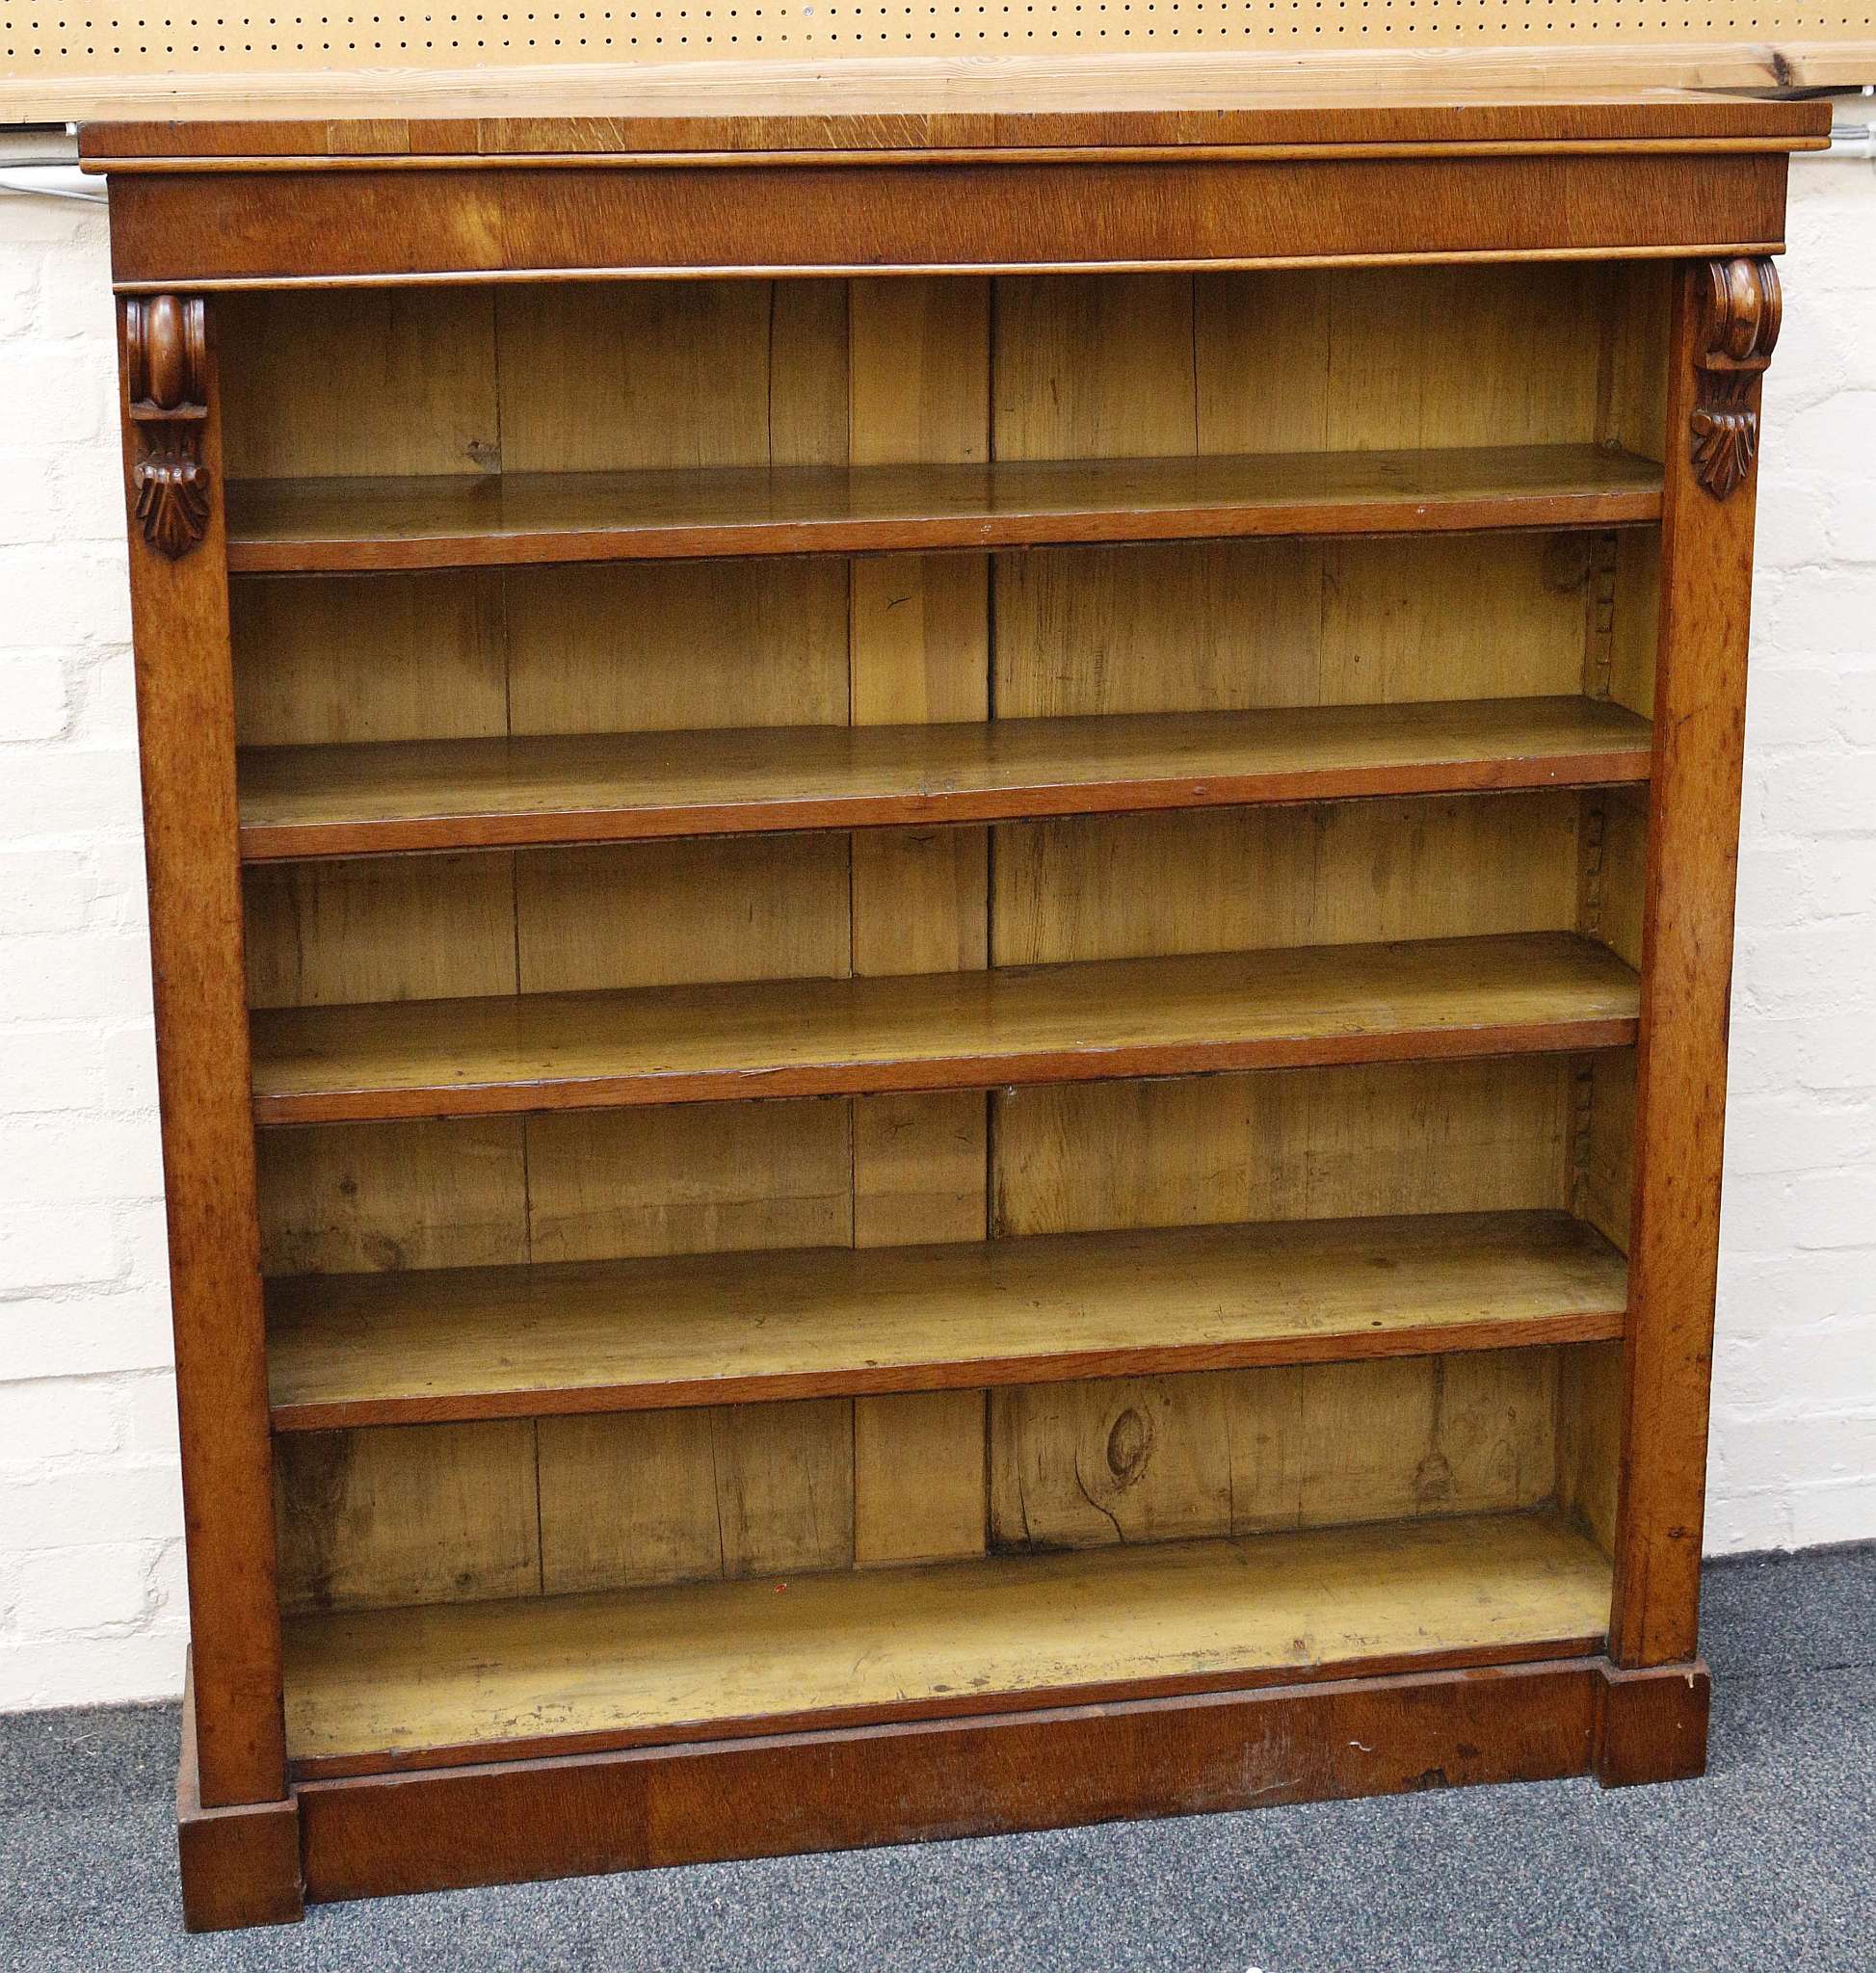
x: 287, y: 526
x: 406, y: 382
x: 1445, y: 97
x: 1226, y: 626
x: 1091, y: 211
x: 185, y: 713
x: 362, y: 659
x: 1230, y: 879
x: 713, y: 1328
x: 239, y: 1865
x: 1393, y: 1137
x: 777, y: 1794
x: 659, y: 647
x: 418, y: 1687
x: 470, y: 794
x: 919, y: 1478
x: 650, y: 1497
x: 1651, y: 1725
x: 375, y: 1517
x: 1681, y: 1068
x: 379, y: 1196
x: 1208, y: 1010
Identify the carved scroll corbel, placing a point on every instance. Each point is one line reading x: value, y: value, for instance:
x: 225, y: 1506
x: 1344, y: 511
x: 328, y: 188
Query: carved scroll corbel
x: 1739, y: 326
x: 166, y: 355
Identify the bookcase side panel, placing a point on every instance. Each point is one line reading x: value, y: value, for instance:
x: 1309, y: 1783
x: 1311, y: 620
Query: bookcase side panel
x: 1726, y: 321
x: 185, y: 708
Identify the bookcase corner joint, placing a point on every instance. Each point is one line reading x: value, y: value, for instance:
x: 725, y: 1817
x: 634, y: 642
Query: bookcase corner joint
x: 239, y: 1865
x: 165, y: 359
x: 1650, y: 1723
x: 1742, y: 306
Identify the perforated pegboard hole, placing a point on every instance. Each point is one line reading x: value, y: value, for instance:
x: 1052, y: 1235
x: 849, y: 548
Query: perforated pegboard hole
x: 41, y: 40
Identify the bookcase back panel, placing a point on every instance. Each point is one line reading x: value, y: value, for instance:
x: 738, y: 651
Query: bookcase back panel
x: 1145, y: 366
x: 1225, y: 625
x: 384, y: 657
x: 544, y: 921
x: 610, y: 376
x: 635, y: 647
x: 1130, y: 1460
x: 598, y: 1185
x: 447, y: 1513
x: 439, y: 1513
x: 908, y: 901
x: 905, y: 638
x: 1326, y: 873
x: 1306, y: 1144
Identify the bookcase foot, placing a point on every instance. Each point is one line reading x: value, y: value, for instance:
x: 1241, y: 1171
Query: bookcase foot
x: 1651, y: 1725
x: 239, y: 1865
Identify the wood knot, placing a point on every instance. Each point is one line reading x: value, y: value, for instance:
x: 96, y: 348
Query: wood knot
x: 1433, y: 1479
x: 1129, y: 1446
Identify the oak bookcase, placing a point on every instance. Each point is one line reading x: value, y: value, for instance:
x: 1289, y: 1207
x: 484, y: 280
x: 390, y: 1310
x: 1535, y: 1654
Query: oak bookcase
x: 941, y: 907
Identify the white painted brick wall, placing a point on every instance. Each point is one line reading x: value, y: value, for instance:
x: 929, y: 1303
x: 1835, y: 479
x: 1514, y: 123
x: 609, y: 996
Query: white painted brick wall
x: 91, y: 1566
x: 90, y: 1514
x: 1794, y: 1418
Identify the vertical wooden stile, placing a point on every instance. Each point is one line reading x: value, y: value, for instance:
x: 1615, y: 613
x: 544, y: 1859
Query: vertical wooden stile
x: 185, y: 713
x: 1726, y: 321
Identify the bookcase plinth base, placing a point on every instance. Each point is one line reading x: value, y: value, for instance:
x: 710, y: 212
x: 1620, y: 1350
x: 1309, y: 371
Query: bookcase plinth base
x: 239, y: 1866
x: 1651, y: 1724
x: 447, y: 1828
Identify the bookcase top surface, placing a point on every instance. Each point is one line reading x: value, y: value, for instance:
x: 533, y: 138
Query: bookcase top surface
x: 1159, y: 101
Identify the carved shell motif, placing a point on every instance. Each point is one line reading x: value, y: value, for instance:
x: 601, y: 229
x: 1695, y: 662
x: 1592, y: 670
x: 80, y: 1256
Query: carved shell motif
x: 1742, y: 309
x: 166, y: 356
x: 171, y: 501
x: 1725, y: 442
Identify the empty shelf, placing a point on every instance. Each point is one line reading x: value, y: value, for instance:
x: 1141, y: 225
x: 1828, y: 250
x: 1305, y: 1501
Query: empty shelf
x: 706, y: 1329
x: 1208, y: 1011
x: 615, y: 787
x: 457, y: 1681
x: 285, y: 526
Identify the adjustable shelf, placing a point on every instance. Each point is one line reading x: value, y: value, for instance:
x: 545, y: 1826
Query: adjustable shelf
x: 620, y: 787
x: 297, y: 526
x: 452, y: 1344
x: 467, y: 1682
x: 1196, y: 1013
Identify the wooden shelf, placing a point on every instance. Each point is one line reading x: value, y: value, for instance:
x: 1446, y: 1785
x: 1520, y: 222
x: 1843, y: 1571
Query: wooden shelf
x: 286, y: 526
x: 427, y: 1685
x: 708, y: 1328
x: 1287, y: 1008
x: 617, y: 787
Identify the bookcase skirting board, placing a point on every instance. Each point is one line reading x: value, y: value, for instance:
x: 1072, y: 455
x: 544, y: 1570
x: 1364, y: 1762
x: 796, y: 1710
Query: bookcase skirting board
x: 941, y: 908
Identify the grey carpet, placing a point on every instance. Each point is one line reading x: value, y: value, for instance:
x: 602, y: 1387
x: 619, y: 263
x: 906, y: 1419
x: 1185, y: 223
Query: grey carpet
x: 1769, y: 1863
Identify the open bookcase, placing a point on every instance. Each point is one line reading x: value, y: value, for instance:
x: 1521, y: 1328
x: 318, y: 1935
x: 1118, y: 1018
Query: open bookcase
x: 902, y: 1010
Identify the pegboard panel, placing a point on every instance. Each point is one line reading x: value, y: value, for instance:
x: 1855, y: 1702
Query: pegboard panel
x: 43, y: 39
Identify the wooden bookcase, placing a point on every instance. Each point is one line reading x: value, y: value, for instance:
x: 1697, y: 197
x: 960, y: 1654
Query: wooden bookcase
x: 941, y: 908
